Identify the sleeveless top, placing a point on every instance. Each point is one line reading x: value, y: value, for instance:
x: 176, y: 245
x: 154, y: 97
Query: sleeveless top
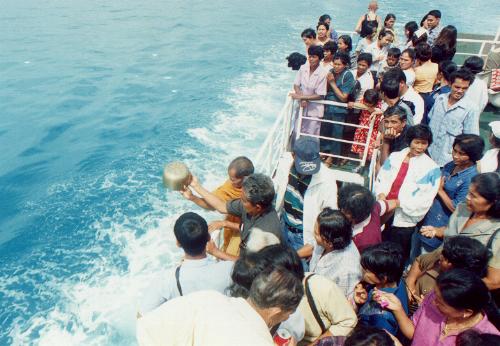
x: 371, y: 233
x: 365, y: 25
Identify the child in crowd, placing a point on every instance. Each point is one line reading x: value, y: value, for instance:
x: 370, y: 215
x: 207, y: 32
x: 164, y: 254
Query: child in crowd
x: 383, y: 266
x: 358, y: 204
x: 335, y: 256
x: 329, y: 50
x: 373, y: 109
x: 391, y: 61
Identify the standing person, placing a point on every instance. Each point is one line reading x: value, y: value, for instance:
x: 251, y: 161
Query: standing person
x: 304, y: 186
x: 211, y: 318
x: 309, y: 38
x: 366, y: 41
x: 411, y: 178
x: 445, y: 69
x: 458, y: 303
x: 310, y: 84
x: 379, y: 48
x: 452, y: 115
x: 195, y: 273
x: 341, y: 82
x: 390, y: 87
x: 456, y: 177
x: 410, y: 29
x: 433, y: 21
x: 445, y: 46
x: 391, y: 61
x: 373, y: 104
x: 477, y: 93
x: 334, y: 36
x: 408, y: 94
x: 491, y: 159
x: 370, y: 18
x: 237, y: 170
x: 363, y: 75
x: 329, y: 50
x: 255, y: 208
x: 322, y: 36
x: 389, y: 22
x: 406, y: 63
x: 335, y: 256
x: 426, y: 71
x: 345, y: 45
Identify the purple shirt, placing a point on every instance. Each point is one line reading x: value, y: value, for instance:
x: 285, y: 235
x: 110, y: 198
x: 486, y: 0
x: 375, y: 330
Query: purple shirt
x: 311, y: 84
x: 429, y: 323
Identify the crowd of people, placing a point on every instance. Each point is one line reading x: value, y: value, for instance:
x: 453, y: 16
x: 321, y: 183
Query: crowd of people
x: 309, y: 260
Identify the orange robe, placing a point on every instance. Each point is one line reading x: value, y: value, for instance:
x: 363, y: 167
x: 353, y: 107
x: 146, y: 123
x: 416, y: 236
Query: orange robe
x: 232, y: 239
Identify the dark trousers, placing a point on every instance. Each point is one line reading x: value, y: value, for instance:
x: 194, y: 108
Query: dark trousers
x: 400, y: 235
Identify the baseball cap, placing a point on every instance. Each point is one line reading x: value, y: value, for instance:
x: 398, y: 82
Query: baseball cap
x: 495, y: 128
x: 307, y: 160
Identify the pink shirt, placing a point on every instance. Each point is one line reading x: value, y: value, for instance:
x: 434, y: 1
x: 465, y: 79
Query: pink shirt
x: 311, y: 84
x: 429, y: 323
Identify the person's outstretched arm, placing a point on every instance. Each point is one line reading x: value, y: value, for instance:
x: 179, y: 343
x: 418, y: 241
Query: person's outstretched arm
x: 208, y: 197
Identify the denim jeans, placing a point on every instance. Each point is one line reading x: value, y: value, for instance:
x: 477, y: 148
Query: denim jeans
x: 294, y: 240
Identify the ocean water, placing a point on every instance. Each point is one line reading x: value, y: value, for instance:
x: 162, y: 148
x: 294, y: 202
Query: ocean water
x: 96, y: 96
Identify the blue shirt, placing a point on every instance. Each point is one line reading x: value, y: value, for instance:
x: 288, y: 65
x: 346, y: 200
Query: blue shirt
x: 345, y: 82
x: 448, y: 122
x: 456, y: 187
x: 372, y: 314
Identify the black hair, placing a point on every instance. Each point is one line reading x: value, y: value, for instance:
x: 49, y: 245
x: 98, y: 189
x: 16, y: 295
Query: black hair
x: 396, y: 110
x: 316, y: 50
x: 474, y: 64
x: 356, y: 200
x: 390, y: 87
x: 447, y: 37
x: 385, y: 32
x: 466, y: 253
x: 295, y: 60
x: 331, y: 46
x: 368, y: 29
x: 419, y: 131
x: 335, y: 228
x: 245, y: 270
x: 259, y: 190
x: 309, y: 33
x: 411, y: 53
x: 488, y: 186
x: 423, y: 20
x: 434, y: 13
x: 464, y: 74
x: 411, y: 27
x: 242, y: 166
x: 394, y: 52
x: 324, y: 17
x: 280, y: 255
x: 344, y: 57
x: 446, y: 68
x: 191, y: 231
x: 423, y: 51
x: 324, y: 24
x: 397, y: 74
x: 389, y: 16
x: 347, y: 40
x: 364, y: 335
x: 462, y: 289
x: 472, y: 337
x: 371, y: 96
x: 472, y: 145
x: 365, y: 57
x: 384, y: 260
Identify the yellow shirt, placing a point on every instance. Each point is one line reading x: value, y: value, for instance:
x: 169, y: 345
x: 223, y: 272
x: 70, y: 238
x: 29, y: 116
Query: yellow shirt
x: 425, y: 77
x: 232, y: 239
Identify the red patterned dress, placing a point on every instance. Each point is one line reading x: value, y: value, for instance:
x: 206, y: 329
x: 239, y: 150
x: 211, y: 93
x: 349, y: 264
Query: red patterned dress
x: 361, y: 134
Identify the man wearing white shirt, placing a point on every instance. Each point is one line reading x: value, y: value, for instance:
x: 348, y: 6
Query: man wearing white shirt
x: 407, y: 93
x: 477, y: 93
x: 195, y: 273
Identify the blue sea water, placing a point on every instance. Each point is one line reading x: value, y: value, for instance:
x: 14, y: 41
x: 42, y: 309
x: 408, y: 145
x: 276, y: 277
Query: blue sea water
x: 96, y: 96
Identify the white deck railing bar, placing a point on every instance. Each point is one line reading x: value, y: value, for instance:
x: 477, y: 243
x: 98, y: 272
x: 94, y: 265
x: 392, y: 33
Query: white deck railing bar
x: 336, y: 122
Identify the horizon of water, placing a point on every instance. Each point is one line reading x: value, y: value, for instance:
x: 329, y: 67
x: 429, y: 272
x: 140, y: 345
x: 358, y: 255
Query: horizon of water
x: 96, y: 97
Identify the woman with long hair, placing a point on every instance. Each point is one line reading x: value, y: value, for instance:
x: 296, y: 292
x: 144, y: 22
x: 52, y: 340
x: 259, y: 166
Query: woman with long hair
x: 389, y: 22
x: 445, y: 45
x: 410, y: 29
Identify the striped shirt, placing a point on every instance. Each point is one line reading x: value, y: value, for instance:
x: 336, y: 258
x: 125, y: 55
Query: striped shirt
x: 294, y: 198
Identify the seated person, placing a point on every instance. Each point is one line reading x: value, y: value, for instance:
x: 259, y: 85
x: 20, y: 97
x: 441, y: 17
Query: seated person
x: 457, y: 303
x: 211, y: 318
x: 335, y: 256
x: 255, y: 208
x: 383, y: 266
x: 358, y: 204
x: 394, y: 132
x: 370, y: 336
x: 238, y: 169
x: 471, y: 337
x: 411, y: 178
x: 457, y: 252
x: 195, y: 273
x: 303, y: 185
x: 455, y: 180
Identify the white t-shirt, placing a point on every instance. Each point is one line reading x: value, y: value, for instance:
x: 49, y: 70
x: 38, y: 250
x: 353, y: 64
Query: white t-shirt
x: 365, y: 81
x: 412, y: 96
x: 410, y: 76
x: 477, y: 94
x: 489, y: 162
x: 203, y: 318
x: 376, y: 51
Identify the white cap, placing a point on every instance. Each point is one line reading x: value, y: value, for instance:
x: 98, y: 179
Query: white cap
x: 495, y: 128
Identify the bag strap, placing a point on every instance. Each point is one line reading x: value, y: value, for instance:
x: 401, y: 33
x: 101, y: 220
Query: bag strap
x: 491, y: 240
x: 177, y: 270
x: 314, y: 310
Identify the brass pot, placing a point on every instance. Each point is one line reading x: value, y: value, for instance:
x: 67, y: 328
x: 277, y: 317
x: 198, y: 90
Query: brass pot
x: 176, y: 176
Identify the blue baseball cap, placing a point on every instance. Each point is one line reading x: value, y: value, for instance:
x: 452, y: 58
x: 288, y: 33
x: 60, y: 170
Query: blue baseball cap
x: 307, y: 159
